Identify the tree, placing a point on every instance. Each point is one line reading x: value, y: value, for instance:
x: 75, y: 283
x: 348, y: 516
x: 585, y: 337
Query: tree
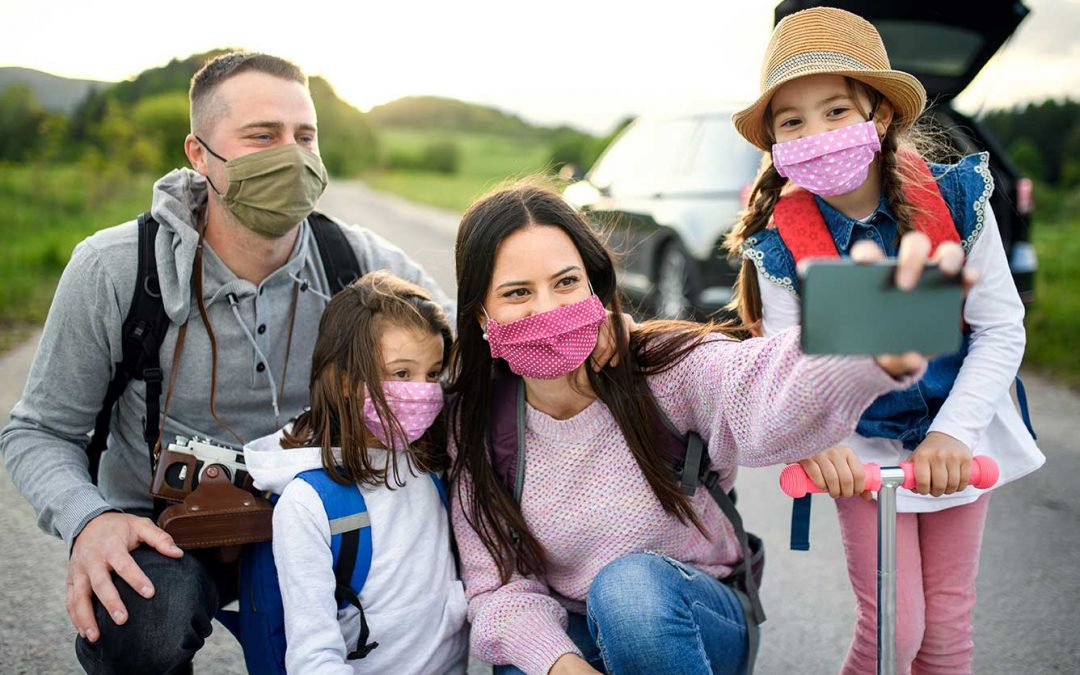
x: 162, y: 120
x: 21, y: 118
x: 1028, y: 159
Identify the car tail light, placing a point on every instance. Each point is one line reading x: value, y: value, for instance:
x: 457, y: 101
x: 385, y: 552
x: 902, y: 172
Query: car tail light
x: 1023, y: 196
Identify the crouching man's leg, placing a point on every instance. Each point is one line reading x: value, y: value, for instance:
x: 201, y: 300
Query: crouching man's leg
x: 162, y: 633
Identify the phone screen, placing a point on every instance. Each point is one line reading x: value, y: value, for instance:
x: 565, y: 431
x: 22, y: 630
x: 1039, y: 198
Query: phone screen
x: 850, y: 308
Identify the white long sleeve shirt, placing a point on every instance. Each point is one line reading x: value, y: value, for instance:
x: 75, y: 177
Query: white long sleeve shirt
x: 413, y: 600
x: 979, y: 410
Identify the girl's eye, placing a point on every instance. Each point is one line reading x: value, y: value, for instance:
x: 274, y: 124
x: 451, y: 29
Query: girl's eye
x: 401, y: 374
x: 838, y: 112
x: 434, y: 375
x: 567, y: 281
x: 790, y: 123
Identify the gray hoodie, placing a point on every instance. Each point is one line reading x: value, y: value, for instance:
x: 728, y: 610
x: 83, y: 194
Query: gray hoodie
x: 43, y: 445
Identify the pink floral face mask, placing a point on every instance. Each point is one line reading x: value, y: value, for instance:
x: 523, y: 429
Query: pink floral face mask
x: 548, y: 345
x: 830, y: 163
x: 414, y: 404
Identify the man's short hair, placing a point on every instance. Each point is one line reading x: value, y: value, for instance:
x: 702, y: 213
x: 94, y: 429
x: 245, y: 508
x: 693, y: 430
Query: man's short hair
x: 206, y: 107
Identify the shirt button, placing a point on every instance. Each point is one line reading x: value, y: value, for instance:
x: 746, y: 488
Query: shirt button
x: 262, y: 328
x: 261, y: 367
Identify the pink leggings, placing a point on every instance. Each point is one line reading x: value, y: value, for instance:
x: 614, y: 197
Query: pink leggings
x: 937, y: 559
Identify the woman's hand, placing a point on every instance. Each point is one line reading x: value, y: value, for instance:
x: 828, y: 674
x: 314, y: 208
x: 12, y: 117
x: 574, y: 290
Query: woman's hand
x: 836, y: 471
x: 605, y: 351
x: 911, y: 259
x: 942, y: 465
x: 571, y: 664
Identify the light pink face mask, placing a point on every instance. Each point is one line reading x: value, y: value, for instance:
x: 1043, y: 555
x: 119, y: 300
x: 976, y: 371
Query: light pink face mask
x: 551, y: 344
x: 830, y: 163
x: 414, y: 404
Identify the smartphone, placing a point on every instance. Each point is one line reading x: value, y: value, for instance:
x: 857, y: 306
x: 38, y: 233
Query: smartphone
x: 850, y: 308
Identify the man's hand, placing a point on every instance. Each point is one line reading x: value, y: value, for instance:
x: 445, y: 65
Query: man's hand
x: 571, y: 664
x: 942, y: 465
x: 837, y: 471
x: 104, y: 546
x: 604, y: 353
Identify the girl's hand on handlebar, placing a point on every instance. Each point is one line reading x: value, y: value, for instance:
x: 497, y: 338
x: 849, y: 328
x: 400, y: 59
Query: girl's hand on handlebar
x: 942, y: 465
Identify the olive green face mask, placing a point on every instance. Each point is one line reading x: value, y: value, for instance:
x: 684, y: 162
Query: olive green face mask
x: 272, y: 190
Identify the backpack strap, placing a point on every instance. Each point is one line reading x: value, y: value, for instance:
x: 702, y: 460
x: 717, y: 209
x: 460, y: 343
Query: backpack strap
x: 506, y: 432
x: 142, y: 333
x: 338, y: 258
x: 350, y: 544
x: 440, y: 486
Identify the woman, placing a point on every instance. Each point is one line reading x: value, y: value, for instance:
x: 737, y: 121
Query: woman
x: 605, y: 565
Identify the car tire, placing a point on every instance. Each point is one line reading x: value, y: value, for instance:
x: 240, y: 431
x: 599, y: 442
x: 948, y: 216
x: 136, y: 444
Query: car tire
x: 674, y: 296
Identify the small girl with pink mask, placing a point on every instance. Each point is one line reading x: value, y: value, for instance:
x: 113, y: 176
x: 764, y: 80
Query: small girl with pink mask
x: 840, y: 173
x: 375, y: 402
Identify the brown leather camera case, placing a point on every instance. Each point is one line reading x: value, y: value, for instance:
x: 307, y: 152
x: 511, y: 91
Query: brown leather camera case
x: 217, y: 513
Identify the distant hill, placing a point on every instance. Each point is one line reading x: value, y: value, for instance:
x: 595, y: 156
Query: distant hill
x: 54, y: 93
x: 436, y: 112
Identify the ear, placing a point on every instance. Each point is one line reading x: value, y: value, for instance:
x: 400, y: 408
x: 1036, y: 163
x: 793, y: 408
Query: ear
x: 196, y: 154
x: 883, y: 117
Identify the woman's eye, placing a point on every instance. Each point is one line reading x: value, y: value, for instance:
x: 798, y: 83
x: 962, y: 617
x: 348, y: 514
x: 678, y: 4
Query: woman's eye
x: 567, y: 281
x: 516, y: 293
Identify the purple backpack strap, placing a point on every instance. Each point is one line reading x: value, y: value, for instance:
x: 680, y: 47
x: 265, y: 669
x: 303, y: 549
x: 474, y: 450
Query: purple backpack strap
x: 506, y: 431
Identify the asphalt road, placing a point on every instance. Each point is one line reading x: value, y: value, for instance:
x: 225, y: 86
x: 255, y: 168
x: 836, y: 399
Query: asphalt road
x: 1027, y: 620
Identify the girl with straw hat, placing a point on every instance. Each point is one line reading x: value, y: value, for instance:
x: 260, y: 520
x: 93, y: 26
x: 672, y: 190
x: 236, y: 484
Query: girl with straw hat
x: 840, y: 169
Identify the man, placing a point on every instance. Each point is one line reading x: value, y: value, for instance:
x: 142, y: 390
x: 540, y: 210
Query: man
x: 138, y: 602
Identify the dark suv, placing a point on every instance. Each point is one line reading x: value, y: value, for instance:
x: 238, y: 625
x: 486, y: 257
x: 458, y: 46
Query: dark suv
x: 671, y: 187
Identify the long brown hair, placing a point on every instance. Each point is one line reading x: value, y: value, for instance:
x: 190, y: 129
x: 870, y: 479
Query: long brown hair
x: 653, y: 348
x: 769, y: 184
x: 347, y: 364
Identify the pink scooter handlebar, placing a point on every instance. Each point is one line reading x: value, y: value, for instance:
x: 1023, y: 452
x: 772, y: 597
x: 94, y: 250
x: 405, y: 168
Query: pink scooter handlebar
x: 795, y: 483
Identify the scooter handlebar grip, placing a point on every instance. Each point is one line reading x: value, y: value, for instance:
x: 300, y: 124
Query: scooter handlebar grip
x: 795, y: 483
x: 984, y: 473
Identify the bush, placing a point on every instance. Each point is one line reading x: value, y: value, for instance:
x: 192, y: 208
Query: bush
x: 441, y: 157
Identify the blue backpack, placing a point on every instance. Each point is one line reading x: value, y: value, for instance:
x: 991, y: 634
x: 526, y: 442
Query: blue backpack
x: 259, y: 624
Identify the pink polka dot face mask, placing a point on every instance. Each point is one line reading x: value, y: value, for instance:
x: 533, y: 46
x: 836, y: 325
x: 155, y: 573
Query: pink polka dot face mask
x: 551, y: 344
x: 414, y: 404
x: 830, y: 163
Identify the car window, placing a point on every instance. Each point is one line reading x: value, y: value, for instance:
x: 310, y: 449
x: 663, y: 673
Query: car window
x: 928, y: 48
x: 721, y: 160
x: 648, y: 158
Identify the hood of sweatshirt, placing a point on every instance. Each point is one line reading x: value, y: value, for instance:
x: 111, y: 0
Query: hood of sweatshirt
x: 273, y: 467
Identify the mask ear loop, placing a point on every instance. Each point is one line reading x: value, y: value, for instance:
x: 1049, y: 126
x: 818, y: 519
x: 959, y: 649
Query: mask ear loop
x: 203, y: 143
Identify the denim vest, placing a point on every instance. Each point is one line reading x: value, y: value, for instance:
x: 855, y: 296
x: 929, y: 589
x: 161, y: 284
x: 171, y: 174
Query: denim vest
x: 966, y: 187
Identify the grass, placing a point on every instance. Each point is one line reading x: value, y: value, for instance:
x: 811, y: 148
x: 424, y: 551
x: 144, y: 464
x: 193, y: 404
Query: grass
x: 46, y: 211
x: 486, y: 161
x: 1053, y: 324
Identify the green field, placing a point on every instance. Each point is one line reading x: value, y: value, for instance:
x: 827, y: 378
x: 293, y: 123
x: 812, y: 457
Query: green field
x: 486, y: 161
x: 46, y: 211
x: 1053, y: 324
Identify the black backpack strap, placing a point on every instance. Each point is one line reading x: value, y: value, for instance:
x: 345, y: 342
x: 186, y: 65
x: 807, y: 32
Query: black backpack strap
x: 142, y: 333
x: 343, y: 592
x: 338, y: 258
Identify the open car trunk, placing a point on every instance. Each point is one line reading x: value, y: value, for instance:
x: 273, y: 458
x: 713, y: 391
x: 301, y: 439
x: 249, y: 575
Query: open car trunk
x: 943, y: 43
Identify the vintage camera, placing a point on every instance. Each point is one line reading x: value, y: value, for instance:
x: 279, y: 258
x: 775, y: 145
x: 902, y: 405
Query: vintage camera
x: 181, y: 465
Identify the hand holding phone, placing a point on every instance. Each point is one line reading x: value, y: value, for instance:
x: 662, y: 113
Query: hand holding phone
x: 864, y: 335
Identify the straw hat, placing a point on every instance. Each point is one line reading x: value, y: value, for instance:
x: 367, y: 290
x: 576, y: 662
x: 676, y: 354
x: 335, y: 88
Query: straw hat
x: 828, y: 40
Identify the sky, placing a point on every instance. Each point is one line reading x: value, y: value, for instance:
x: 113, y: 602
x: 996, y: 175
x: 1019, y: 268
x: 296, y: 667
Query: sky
x: 588, y: 63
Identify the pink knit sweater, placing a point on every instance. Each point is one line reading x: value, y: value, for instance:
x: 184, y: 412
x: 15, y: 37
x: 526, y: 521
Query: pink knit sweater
x: 754, y: 403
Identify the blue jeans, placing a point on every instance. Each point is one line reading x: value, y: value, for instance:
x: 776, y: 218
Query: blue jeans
x: 648, y: 613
